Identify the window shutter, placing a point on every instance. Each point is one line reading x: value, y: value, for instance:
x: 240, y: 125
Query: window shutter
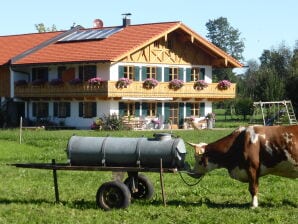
x: 167, y: 111
x: 81, y: 73
x: 121, y: 109
x: 33, y: 74
x: 202, y: 73
x: 166, y: 74
x: 180, y: 73
x: 188, y: 74
x: 158, y: 74
x: 202, y: 109
x: 137, y: 73
x: 144, y: 73
x: 68, y: 109
x: 121, y: 71
x: 81, y: 105
x: 55, y: 109
x: 188, y: 109
x: 94, y: 111
x: 47, y: 109
x: 144, y: 109
x: 159, y: 109
x: 181, y: 114
x: 137, y: 109
x: 34, y: 109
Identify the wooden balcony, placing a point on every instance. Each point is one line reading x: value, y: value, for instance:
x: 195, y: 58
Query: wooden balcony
x: 108, y: 90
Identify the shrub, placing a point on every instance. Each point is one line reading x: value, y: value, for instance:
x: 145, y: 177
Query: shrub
x: 200, y: 84
x: 176, y: 84
x: 150, y: 83
x: 56, y: 82
x: 224, y: 84
x: 123, y: 83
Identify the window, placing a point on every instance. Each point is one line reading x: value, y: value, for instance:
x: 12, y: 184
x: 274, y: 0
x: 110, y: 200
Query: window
x: 127, y: 109
x: 195, y: 74
x: 40, y: 73
x: 151, y: 72
x: 195, y: 109
x: 170, y: 44
x: 87, y: 109
x: 61, y: 109
x: 87, y: 72
x: 151, y: 109
x: 128, y: 72
x: 60, y: 71
x: 156, y: 44
x: 173, y: 73
x: 40, y: 110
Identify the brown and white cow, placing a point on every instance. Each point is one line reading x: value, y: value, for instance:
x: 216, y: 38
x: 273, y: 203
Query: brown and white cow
x: 251, y: 152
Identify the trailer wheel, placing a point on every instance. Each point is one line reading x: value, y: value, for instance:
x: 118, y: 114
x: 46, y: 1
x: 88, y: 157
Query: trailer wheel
x: 145, y: 189
x: 113, y: 195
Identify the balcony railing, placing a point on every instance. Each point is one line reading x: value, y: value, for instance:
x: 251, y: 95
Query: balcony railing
x: 108, y: 90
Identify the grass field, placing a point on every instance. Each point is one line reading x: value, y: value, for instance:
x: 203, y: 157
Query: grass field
x: 27, y: 195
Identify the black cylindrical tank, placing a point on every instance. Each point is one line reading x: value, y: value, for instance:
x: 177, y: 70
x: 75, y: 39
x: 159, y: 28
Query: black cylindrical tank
x: 127, y: 152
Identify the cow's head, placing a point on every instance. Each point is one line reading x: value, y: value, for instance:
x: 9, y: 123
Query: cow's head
x: 202, y: 165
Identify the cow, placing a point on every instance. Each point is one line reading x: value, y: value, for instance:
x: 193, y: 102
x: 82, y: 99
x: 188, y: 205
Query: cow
x: 249, y: 153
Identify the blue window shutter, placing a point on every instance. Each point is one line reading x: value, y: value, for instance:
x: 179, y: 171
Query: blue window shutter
x: 34, y: 109
x: 181, y: 114
x: 94, y: 111
x: 188, y: 109
x: 180, y: 73
x: 137, y: 109
x: 202, y: 73
x: 121, y: 109
x: 55, y: 109
x: 167, y: 111
x: 158, y: 74
x: 121, y: 71
x: 188, y: 74
x: 202, y: 109
x: 81, y: 109
x: 166, y: 74
x: 144, y: 73
x: 137, y: 73
x: 68, y: 109
x: 159, y: 109
x: 144, y: 109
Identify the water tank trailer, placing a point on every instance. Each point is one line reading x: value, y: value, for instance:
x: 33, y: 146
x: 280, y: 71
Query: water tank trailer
x: 162, y: 153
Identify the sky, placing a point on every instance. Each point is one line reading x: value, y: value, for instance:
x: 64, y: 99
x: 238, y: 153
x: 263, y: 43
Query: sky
x: 263, y: 24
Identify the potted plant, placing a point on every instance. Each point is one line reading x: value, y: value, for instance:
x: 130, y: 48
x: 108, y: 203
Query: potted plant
x: 150, y: 83
x: 200, y: 84
x: 21, y: 82
x: 56, y: 82
x: 176, y: 84
x: 95, y: 81
x: 75, y: 81
x: 223, y: 84
x: 38, y: 82
x: 123, y: 83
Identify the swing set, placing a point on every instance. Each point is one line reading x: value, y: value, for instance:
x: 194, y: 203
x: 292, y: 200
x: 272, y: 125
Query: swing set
x: 273, y: 113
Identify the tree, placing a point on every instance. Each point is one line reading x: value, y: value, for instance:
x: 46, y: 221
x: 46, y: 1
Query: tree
x: 244, y: 107
x: 224, y: 36
x: 40, y: 27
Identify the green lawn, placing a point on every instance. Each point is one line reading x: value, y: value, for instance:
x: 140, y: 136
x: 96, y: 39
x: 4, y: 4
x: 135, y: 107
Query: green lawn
x: 27, y: 195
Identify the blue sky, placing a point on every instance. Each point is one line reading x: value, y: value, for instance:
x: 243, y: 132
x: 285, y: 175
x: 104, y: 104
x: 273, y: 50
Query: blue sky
x: 263, y: 23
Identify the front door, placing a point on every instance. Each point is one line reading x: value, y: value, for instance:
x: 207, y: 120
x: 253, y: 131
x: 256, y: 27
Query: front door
x: 174, y: 113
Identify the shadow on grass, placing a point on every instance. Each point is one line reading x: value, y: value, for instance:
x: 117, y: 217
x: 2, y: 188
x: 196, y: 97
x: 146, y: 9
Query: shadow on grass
x: 24, y: 201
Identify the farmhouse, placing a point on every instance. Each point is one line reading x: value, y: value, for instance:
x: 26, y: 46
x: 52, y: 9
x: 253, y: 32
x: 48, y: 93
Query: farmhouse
x: 144, y: 72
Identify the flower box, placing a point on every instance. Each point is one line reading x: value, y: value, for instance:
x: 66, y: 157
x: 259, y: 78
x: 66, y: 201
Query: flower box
x: 75, y: 81
x: 150, y: 83
x: 200, y: 84
x: 176, y: 84
x: 224, y: 84
x: 95, y: 81
x: 123, y: 83
x: 56, y: 82
x: 21, y: 82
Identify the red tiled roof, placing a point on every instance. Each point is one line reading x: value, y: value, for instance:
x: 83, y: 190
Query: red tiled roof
x: 109, y: 49
x: 10, y: 46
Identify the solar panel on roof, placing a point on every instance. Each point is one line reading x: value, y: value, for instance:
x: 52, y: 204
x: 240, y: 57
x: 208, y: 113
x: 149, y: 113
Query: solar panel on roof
x: 80, y: 35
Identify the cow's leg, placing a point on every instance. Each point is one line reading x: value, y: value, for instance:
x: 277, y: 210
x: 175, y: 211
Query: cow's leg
x: 253, y: 186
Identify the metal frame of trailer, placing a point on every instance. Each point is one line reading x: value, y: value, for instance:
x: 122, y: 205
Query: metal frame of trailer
x: 114, y: 194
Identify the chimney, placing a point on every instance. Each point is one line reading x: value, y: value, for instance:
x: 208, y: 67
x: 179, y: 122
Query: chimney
x: 97, y: 23
x: 126, y: 20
